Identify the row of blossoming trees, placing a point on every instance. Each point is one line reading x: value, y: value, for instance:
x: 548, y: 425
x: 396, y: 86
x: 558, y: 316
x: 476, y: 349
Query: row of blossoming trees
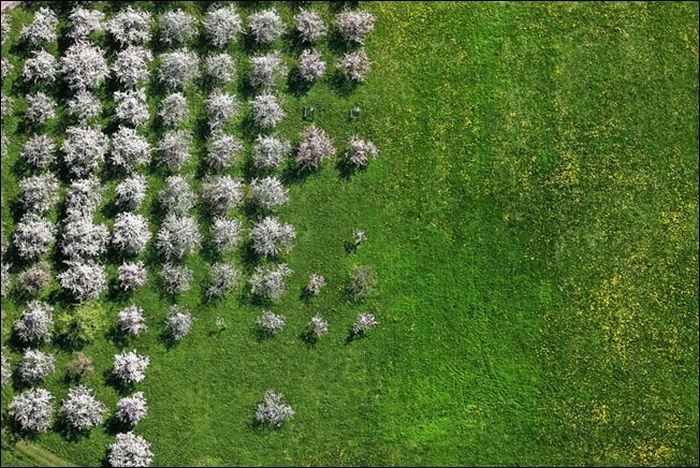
x: 86, y: 149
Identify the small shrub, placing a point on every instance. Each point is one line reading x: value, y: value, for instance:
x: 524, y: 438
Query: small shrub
x: 83, y: 325
x: 273, y: 410
x: 363, y: 283
x: 79, y: 367
x: 5, y: 369
x: 318, y: 326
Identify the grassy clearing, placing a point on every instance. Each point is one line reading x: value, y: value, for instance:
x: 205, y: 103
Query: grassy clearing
x: 533, y: 220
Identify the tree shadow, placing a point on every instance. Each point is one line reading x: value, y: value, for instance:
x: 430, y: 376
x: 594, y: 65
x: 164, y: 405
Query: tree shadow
x: 346, y: 170
x: 63, y: 427
x: 296, y: 84
x: 341, y: 84
x: 309, y: 338
x: 122, y: 388
x: 113, y: 425
x: 167, y: 339
x: 293, y: 174
x: 117, y: 336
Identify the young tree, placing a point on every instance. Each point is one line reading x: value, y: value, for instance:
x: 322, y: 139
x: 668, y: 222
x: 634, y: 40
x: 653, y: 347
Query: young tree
x: 83, y: 411
x: 222, y: 278
x: 265, y: 70
x: 35, y: 366
x: 316, y: 283
x: 84, y: 324
x: 6, y: 68
x: 311, y: 65
x: 173, y: 109
x: 178, y: 236
x: 130, y: 450
x: 39, y: 151
x: 222, y: 193
x: 221, y: 107
x: 177, y: 26
x: 315, y: 147
x: 270, y: 237
x: 35, y: 278
x: 7, y: 107
x: 269, y: 282
x: 223, y: 151
x: 84, y: 66
x: 130, y: 367
x: 225, y: 233
x: 83, y: 197
x: 39, y: 192
x: 131, y: 192
x: 176, y: 277
x: 267, y: 110
x: 222, y: 25
x: 174, y: 149
x: 269, y: 151
x: 131, y: 107
x: 270, y: 323
x: 360, y: 151
x: 33, y: 236
x: 82, y: 239
x: 5, y: 279
x: 35, y: 323
x: 40, y: 107
x: 32, y: 410
x: 354, y: 25
x: 355, y: 65
x: 131, y: 320
x: 84, y: 106
x: 132, y: 409
x: 41, y: 67
x: 84, y: 21
x: 273, y: 410
x: 358, y: 237
x: 84, y: 150
x: 178, y: 67
x: 131, y: 233
x: 221, y: 67
x: 310, y: 26
x: 318, y: 326
x: 266, y: 26
x: 177, y: 197
x: 268, y: 193
x: 5, y: 28
x: 129, y: 149
x: 5, y: 369
x: 131, y: 26
x: 364, y: 281
x: 42, y: 28
x: 83, y: 280
x: 131, y: 65
x: 79, y: 367
x: 364, y: 322
x: 131, y: 275
x: 179, y: 322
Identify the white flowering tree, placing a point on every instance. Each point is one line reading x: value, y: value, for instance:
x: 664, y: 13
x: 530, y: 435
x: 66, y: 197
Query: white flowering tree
x: 265, y: 26
x: 32, y: 410
x: 84, y: 280
x: 5, y: 369
x: 82, y: 239
x: 33, y: 236
x: 177, y: 26
x: 354, y: 25
x: 364, y: 322
x: 35, y: 365
x: 174, y: 149
x: 35, y: 278
x: 267, y: 110
x: 39, y: 192
x: 129, y: 450
x: 84, y: 149
x: 42, y: 66
x: 270, y: 237
x: 83, y: 196
x: 131, y: 106
x: 221, y: 107
x: 131, y: 320
x: 268, y: 193
x: 223, y: 150
x: 39, y: 151
x: 266, y: 70
x: 309, y: 25
x: 84, y: 66
x: 130, y: 234
x: 311, y: 65
x: 131, y: 192
x: 179, y: 322
x: 269, y: 151
x: 268, y: 283
x: 223, y: 25
x: 318, y: 326
x: 130, y: 26
x: 84, y: 21
x: 178, y: 236
x: 221, y: 67
x: 84, y: 106
x: 35, y: 323
x: 42, y: 28
x: 355, y: 65
x: 173, y: 109
x: 273, y: 410
x: 222, y: 193
x: 130, y: 150
x: 179, y: 67
x: 360, y: 152
x: 270, y: 323
x: 130, y: 367
x: 177, y: 196
x: 222, y: 278
x: 40, y: 107
x: 176, y: 277
x: 316, y: 283
x: 315, y: 147
x: 132, y: 409
x: 225, y: 233
x: 82, y: 410
x: 131, y: 65
x: 131, y: 275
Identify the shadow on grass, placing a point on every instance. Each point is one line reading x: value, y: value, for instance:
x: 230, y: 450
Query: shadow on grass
x: 63, y: 427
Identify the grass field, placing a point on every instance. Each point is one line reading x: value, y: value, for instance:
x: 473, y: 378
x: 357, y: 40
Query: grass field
x: 533, y: 221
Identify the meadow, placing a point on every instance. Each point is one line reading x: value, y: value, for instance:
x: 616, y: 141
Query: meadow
x: 532, y: 218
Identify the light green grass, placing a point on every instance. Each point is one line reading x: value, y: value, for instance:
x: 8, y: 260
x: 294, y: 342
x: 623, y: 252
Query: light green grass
x: 533, y: 221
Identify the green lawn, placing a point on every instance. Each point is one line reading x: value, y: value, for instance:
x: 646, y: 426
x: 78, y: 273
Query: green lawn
x: 532, y: 218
